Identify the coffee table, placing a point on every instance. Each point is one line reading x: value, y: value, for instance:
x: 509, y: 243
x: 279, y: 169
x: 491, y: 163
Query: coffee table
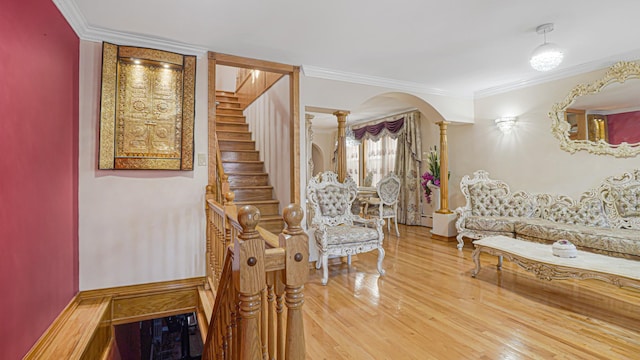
x: 538, y: 259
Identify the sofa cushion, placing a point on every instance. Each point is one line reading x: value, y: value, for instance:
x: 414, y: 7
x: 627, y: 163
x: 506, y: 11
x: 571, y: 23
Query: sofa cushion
x: 619, y: 242
x: 588, y: 211
x: 491, y: 223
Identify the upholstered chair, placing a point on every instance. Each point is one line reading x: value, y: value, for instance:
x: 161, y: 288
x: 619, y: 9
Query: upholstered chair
x: 385, y: 206
x: 339, y: 232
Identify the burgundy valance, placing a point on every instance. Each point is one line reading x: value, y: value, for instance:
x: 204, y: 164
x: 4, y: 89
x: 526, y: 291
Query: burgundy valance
x: 374, y: 130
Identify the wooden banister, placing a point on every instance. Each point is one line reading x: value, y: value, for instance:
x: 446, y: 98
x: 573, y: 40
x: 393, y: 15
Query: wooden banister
x: 255, y: 283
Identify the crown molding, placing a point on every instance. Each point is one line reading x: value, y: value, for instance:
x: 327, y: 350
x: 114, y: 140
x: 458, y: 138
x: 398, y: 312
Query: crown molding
x: 330, y: 74
x: 560, y: 74
x: 74, y: 17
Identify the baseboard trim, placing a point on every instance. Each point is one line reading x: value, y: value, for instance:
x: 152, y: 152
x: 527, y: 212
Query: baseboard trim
x: 443, y: 238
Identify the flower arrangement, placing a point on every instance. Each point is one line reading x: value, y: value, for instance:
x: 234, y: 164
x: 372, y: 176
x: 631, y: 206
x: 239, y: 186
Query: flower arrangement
x: 432, y: 175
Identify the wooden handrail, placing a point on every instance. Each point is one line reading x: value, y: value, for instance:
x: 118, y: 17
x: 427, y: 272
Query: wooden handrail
x: 222, y: 179
x: 253, y: 286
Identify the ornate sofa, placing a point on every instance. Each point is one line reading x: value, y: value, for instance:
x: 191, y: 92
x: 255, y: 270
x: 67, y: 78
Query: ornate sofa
x: 604, y: 220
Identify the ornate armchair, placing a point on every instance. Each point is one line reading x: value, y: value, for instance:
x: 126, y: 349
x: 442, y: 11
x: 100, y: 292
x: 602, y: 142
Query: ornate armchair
x: 385, y: 206
x: 338, y: 232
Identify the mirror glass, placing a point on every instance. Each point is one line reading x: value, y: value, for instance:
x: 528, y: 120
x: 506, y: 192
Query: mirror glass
x: 602, y: 117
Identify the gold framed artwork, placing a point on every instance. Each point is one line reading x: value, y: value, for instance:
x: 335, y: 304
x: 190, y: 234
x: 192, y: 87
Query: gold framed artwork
x: 147, y: 109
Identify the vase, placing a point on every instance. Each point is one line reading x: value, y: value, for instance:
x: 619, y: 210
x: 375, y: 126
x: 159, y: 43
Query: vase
x: 435, y: 196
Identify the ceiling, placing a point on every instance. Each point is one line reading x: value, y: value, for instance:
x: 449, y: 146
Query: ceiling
x: 462, y: 48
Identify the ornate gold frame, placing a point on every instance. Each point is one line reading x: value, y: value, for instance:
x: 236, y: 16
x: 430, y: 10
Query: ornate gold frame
x: 147, y: 109
x: 620, y: 72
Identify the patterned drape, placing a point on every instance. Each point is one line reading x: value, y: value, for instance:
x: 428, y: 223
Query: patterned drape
x: 408, y: 159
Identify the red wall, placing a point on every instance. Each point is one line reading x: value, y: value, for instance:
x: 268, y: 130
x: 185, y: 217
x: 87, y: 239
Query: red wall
x: 39, y: 174
x: 624, y: 127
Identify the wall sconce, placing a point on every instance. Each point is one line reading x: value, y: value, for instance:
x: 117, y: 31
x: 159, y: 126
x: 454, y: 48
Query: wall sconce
x: 506, y: 124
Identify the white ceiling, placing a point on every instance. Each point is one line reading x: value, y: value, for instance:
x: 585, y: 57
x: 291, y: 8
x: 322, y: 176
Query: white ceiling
x: 460, y: 48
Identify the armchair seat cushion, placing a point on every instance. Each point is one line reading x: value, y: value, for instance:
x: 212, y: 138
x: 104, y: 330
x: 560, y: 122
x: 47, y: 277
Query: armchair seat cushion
x: 346, y: 234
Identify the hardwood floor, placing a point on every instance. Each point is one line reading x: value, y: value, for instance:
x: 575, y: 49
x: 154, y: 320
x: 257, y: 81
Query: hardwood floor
x: 429, y: 307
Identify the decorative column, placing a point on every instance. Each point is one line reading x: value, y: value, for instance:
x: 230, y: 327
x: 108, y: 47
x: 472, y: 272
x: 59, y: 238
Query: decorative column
x: 444, y: 170
x: 342, y: 144
x: 444, y: 220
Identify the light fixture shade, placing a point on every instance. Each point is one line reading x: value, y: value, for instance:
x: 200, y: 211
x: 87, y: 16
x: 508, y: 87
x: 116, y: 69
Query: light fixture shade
x: 506, y: 124
x: 546, y: 57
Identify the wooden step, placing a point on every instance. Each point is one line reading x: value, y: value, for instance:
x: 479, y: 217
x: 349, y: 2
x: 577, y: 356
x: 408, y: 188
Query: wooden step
x: 229, y: 98
x: 223, y: 104
x: 266, y: 207
x: 240, y: 155
x: 233, y: 145
x: 228, y: 111
x: 233, y: 135
x: 248, y: 179
x: 252, y: 193
x: 274, y: 224
x: 231, y: 118
x: 231, y: 126
x: 243, y: 166
x: 225, y: 93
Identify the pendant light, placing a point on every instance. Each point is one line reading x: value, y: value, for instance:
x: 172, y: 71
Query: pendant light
x: 548, y: 55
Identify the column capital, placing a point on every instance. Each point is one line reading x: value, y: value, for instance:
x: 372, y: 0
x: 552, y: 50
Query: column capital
x: 341, y: 113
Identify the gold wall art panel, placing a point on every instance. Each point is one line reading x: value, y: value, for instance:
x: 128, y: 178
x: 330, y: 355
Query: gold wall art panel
x: 147, y: 109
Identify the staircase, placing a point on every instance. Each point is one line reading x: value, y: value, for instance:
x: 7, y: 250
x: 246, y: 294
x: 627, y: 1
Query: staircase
x: 241, y: 162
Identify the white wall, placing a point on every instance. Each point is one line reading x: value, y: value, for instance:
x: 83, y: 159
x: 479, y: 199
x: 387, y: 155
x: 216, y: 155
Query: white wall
x: 226, y: 78
x: 137, y: 226
x: 530, y: 157
x: 269, y: 121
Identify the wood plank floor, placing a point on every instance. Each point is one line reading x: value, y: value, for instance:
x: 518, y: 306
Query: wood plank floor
x: 429, y: 307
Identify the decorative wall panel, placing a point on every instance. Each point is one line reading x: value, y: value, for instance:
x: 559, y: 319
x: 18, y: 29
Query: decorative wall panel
x: 147, y: 109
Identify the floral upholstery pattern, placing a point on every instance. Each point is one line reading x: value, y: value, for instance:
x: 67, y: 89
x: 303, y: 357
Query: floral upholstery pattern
x: 604, y: 220
x: 338, y: 235
x: 615, y: 242
x: 332, y: 201
x: 504, y: 224
x: 386, y: 211
x: 491, y: 200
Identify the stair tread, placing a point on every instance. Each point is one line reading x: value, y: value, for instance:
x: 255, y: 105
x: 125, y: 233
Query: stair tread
x: 235, y: 140
x: 256, y: 202
x: 243, y: 150
x: 249, y: 173
x: 233, y: 131
x: 228, y: 123
x: 250, y: 187
x: 242, y: 162
x: 270, y: 217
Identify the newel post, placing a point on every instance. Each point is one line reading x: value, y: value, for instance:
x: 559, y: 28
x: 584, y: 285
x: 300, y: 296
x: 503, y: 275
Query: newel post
x: 249, y: 280
x: 296, y: 244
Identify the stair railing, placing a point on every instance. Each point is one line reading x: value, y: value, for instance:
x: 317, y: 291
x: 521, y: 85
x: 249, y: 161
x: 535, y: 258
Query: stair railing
x: 256, y: 282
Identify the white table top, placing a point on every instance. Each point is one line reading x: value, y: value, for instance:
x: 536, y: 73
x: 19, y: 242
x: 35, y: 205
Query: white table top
x: 542, y: 253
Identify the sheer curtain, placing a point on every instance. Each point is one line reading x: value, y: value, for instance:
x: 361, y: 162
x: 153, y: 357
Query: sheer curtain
x: 353, y: 162
x: 380, y: 157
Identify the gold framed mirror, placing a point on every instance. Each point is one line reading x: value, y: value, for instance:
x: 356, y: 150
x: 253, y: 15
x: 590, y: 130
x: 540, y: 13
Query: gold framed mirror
x: 602, y: 117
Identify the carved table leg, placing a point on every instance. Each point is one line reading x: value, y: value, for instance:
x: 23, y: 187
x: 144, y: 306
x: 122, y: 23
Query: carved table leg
x: 476, y: 260
x: 499, y: 266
